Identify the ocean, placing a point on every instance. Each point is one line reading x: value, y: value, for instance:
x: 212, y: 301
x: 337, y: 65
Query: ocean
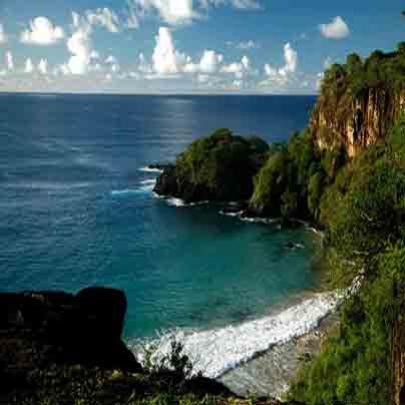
x: 77, y: 209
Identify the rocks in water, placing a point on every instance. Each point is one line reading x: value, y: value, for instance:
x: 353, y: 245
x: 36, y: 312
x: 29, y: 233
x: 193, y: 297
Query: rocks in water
x: 234, y: 209
x: 220, y: 168
x: 83, y: 329
x: 294, y: 245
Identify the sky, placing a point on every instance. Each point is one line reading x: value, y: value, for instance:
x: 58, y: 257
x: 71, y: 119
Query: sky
x: 187, y: 46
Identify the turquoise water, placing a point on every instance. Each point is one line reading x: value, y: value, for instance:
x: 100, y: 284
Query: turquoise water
x: 76, y: 210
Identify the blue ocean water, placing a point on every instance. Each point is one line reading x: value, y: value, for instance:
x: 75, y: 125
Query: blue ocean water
x: 76, y: 210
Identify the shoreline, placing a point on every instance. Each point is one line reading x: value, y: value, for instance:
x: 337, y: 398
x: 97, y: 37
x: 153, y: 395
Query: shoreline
x: 270, y: 373
x: 272, y: 365
x: 258, y: 357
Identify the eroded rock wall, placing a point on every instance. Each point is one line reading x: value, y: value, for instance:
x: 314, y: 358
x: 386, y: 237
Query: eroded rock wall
x: 357, y: 122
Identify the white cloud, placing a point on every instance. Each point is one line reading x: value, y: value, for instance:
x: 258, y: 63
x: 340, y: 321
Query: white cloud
x: 291, y: 60
x: 42, y: 32
x: 96, y: 67
x: 29, y: 67
x: 209, y: 63
x: 283, y: 75
x: 104, y: 17
x: 115, y: 68
x: 174, y: 12
x: 111, y: 59
x: 178, y: 12
x: 132, y: 18
x: 166, y: 59
x: 144, y: 66
x: 43, y: 66
x: 240, y: 4
x: 80, y: 46
x: 9, y: 61
x: 94, y: 55
x: 3, y: 36
x: 239, y: 69
x: 336, y: 29
x: 247, y: 45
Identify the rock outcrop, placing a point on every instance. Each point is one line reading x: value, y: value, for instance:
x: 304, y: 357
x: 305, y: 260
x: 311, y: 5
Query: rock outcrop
x: 355, y: 123
x: 61, y: 349
x: 78, y: 329
x: 220, y: 168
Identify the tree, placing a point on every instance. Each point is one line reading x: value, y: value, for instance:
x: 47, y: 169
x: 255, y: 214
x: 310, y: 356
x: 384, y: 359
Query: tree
x: 354, y: 63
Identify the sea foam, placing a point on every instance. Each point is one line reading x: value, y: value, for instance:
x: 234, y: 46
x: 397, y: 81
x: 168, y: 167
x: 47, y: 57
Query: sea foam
x: 214, y: 352
x: 146, y: 187
x: 147, y: 169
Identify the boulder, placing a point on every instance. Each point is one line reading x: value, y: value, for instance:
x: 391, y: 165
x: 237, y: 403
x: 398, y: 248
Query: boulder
x: 84, y: 329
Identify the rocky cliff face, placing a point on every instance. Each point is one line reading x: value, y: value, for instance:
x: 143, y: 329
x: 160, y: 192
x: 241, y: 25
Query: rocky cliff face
x: 355, y: 123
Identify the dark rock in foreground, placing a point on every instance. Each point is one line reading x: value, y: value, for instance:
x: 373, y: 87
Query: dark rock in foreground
x: 64, y: 349
x: 84, y: 328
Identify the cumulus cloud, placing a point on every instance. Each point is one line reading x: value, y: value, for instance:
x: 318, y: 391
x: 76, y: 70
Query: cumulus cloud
x: 174, y: 12
x: 113, y: 62
x: 239, y: 69
x: 210, y: 61
x: 29, y: 67
x: 336, y: 29
x: 104, y: 17
x: 282, y: 76
x: 115, y: 68
x: 94, y: 54
x: 80, y: 46
x: 291, y: 60
x: 166, y: 59
x: 144, y: 66
x: 111, y: 59
x: 43, y: 66
x: 42, y: 32
x: 9, y: 61
x: 208, y: 64
x: 3, y: 36
x: 247, y: 45
x: 240, y: 4
x: 177, y: 12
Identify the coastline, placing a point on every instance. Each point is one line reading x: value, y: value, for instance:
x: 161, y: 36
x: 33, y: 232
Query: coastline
x: 267, y: 370
x: 270, y: 373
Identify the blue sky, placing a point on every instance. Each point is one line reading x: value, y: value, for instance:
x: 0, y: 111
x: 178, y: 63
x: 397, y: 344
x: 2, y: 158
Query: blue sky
x: 187, y: 46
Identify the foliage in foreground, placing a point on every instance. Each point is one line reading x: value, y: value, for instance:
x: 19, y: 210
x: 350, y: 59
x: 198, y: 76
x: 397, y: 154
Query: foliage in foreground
x: 365, y: 209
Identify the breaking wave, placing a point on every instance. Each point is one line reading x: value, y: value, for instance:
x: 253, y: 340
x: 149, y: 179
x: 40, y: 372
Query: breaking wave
x: 214, y: 352
x: 148, y: 169
x: 146, y: 187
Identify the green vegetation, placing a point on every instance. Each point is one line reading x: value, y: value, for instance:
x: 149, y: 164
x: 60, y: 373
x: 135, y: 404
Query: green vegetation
x: 221, y: 165
x: 379, y: 70
x: 168, y: 382
x: 291, y: 182
x: 364, y: 210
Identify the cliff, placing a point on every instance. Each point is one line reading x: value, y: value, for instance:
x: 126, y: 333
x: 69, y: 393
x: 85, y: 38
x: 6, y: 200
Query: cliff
x: 355, y: 122
x: 359, y: 101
